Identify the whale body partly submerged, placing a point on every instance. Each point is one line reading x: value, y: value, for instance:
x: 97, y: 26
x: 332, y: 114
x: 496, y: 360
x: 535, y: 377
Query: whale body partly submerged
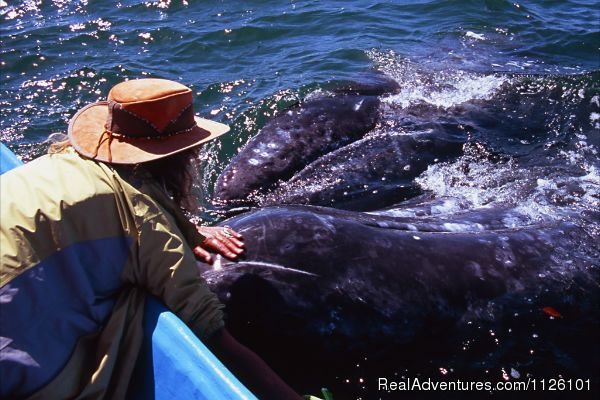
x: 293, y: 140
x: 300, y: 136
x: 327, y: 295
x: 485, y: 267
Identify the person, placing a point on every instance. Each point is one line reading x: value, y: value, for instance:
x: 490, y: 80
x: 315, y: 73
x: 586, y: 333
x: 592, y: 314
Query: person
x: 88, y: 230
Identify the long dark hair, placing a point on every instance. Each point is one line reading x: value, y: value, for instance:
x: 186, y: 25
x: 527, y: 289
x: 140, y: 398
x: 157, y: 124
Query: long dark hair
x: 176, y: 174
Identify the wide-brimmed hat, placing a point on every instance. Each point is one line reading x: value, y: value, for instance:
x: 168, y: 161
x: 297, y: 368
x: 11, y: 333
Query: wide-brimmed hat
x: 143, y: 120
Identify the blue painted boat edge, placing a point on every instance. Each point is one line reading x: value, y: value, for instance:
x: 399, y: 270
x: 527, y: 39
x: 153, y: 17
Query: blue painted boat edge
x: 174, y: 363
x: 8, y: 159
x: 179, y: 364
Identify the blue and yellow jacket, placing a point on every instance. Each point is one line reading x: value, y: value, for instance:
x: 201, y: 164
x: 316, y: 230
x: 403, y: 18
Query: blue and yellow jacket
x: 80, y: 248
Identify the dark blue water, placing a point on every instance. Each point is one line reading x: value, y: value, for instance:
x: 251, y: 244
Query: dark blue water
x: 524, y: 77
x: 239, y: 55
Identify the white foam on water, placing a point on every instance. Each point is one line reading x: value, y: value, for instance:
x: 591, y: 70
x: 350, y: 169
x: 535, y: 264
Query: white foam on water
x: 535, y: 195
x: 442, y: 89
x: 473, y: 35
x: 477, y: 183
x: 482, y: 184
x: 452, y: 89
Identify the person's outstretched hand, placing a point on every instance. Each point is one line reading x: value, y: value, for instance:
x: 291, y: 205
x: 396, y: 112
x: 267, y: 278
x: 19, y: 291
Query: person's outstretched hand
x: 220, y: 240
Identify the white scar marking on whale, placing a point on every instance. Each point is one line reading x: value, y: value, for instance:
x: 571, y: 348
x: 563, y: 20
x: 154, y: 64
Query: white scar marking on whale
x: 358, y: 105
x: 262, y: 264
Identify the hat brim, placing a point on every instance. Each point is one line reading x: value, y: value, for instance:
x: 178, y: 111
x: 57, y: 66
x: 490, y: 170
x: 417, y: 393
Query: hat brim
x: 86, y: 133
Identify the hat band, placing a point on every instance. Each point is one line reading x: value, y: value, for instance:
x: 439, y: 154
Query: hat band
x: 126, y: 124
x: 108, y: 136
x: 123, y: 136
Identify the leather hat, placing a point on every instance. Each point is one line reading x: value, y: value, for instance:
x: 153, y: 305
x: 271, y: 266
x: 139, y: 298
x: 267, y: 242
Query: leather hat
x: 142, y: 120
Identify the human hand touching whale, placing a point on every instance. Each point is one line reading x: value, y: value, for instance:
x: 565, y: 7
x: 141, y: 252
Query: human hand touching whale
x: 220, y: 240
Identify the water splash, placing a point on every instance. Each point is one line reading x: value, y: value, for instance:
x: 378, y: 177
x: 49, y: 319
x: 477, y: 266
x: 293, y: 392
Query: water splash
x: 443, y: 88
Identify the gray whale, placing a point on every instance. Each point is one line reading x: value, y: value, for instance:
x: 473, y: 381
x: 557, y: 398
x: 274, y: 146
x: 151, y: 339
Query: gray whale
x: 294, y: 139
x: 349, y: 295
x: 369, y: 173
x: 491, y: 273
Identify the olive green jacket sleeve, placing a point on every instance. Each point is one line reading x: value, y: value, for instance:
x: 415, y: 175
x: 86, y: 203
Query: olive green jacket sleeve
x: 166, y: 264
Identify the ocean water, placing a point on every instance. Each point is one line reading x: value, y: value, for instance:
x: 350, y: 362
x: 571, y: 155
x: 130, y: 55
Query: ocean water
x: 522, y: 76
x: 247, y: 59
